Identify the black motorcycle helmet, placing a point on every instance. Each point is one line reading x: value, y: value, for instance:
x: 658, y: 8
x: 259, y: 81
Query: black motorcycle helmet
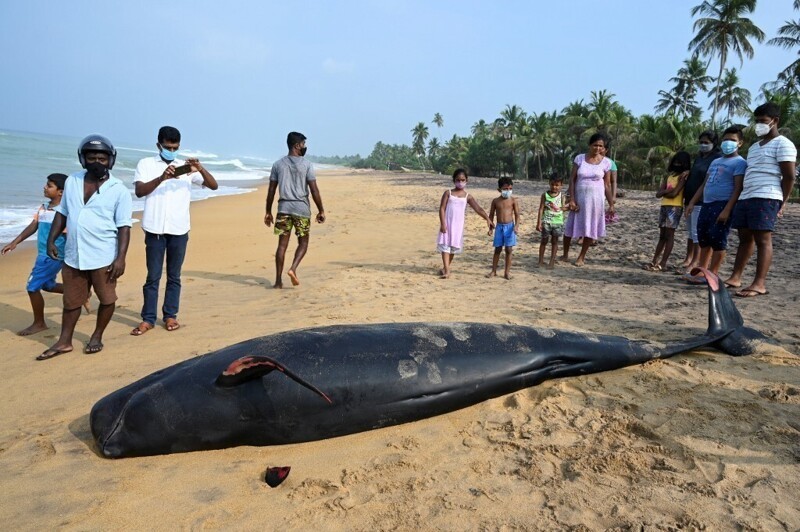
x: 97, y: 143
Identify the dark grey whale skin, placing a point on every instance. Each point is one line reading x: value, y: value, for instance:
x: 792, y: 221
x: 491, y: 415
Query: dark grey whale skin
x: 374, y: 375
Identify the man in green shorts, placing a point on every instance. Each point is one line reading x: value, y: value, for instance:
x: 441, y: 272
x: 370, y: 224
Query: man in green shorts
x: 293, y: 177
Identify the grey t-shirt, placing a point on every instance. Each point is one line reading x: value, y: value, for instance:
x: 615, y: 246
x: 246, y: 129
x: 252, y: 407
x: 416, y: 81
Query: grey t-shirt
x: 293, y: 175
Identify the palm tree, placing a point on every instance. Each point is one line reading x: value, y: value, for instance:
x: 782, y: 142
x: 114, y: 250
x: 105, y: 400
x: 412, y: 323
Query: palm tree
x: 438, y: 120
x: 480, y: 128
x: 681, y: 99
x: 732, y: 97
x: 540, y: 138
x: 692, y: 77
x: 789, y: 38
x: 420, y: 135
x: 601, y: 110
x: 433, y: 148
x: 722, y: 28
x: 510, y: 121
x: 676, y: 102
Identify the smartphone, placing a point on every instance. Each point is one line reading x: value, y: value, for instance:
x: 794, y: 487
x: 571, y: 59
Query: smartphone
x: 183, y: 169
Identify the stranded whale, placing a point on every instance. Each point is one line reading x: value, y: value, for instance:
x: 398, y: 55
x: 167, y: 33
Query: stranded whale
x: 324, y: 382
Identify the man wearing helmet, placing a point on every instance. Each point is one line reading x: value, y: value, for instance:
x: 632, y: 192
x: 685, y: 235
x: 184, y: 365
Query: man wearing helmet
x: 96, y: 212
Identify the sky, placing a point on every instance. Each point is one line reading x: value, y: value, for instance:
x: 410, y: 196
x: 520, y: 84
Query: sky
x: 236, y: 76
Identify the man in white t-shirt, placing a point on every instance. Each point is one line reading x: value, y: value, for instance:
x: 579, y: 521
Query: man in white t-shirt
x: 165, y: 183
x: 768, y: 182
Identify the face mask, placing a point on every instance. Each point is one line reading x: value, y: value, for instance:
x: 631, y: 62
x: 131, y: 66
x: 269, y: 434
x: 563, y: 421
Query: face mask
x: 96, y: 170
x: 505, y: 193
x: 168, y: 155
x: 460, y: 185
x: 303, y: 151
x: 729, y: 146
x: 705, y: 148
x: 763, y: 129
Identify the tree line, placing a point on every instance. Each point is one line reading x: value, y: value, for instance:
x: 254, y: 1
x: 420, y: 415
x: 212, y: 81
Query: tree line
x: 535, y: 144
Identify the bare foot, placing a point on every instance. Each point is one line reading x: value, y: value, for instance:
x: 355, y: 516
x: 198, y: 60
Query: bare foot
x: 94, y: 345
x: 444, y: 276
x: 33, y: 329
x: 491, y: 274
x: 277, y: 285
x: 538, y: 264
x: 579, y: 263
x: 551, y: 266
x: 563, y: 258
x: 507, y: 277
x: 293, y: 278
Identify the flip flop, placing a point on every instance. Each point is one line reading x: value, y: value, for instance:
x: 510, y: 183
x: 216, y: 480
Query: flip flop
x: 731, y: 285
x: 171, y: 324
x: 652, y: 267
x: 749, y: 292
x: 92, y: 347
x: 52, y: 352
x: 141, y: 329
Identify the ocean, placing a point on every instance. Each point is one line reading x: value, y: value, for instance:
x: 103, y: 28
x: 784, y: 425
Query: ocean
x: 26, y: 159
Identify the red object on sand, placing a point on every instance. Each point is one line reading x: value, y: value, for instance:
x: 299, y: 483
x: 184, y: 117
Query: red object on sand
x: 275, y: 475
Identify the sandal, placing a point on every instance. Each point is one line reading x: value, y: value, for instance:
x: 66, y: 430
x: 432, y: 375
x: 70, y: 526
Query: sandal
x: 652, y: 267
x: 171, y: 324
x: 141, y: 328
x: 93, y: 346
x: 53, y: 352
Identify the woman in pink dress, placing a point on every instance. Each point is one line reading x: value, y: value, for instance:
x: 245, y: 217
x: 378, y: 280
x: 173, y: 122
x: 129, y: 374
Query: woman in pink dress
x: 452, y: 214
x: 589, y: 183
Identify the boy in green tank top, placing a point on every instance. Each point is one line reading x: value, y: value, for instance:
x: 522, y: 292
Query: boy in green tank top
x: 550, y: 221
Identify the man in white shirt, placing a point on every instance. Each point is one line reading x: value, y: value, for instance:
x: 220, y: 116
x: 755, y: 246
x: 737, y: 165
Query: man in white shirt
x: 165, y: 183
x: 768, y: 182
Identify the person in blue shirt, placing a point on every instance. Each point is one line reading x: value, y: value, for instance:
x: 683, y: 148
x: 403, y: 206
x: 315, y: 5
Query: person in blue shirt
x: 44, y: 272
x: 96, y: 211
x: 718, y: 195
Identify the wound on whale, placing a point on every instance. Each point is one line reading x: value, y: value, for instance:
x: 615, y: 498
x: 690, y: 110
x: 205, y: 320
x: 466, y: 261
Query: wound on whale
x: 325, y: 382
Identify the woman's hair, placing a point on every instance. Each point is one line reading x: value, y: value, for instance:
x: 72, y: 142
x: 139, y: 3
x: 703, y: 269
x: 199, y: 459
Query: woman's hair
x: 710, y: 135
x: 458, y: 172
x: 735, y: 130
x: 598, y: 136
x: 679, y: 162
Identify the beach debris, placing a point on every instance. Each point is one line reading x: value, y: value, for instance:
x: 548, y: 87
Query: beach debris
x: 275, y: 475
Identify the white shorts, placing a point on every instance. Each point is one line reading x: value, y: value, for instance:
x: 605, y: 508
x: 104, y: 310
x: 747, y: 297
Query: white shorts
x: 448, y: 249
x: 691, y: 224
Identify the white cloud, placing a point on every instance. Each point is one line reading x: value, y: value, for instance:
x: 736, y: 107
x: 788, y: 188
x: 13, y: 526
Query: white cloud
x: 332, y: 66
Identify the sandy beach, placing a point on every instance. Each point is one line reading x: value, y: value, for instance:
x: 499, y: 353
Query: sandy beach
x: 699, y: 441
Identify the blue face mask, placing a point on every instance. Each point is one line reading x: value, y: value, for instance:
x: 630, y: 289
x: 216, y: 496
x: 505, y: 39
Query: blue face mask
x: 729, y: 146
x: 168, y: 155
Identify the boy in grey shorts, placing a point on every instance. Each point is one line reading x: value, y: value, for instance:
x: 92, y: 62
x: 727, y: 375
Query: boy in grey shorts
x: 550, y: 220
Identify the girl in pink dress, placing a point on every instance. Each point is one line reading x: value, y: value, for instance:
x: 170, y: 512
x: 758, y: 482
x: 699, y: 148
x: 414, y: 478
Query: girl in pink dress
x: 452, y: 213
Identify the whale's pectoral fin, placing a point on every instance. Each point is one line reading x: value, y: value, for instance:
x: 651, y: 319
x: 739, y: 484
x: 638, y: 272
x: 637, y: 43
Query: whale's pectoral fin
x: 252, y: 367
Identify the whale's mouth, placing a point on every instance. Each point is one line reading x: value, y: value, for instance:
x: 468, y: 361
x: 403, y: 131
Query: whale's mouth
x: 247, y: 368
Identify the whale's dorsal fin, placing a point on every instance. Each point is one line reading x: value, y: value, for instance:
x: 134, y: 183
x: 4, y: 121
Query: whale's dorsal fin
x: 252, y: 367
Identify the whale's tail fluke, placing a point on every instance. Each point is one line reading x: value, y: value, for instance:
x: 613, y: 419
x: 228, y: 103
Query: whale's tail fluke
x: 724, y: 320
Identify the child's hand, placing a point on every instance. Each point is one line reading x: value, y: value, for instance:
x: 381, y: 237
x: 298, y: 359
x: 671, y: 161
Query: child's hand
x: 723, y: 216
x: 688, y: 212
x: 9, y: 247
x: 442, y: 229
x: 515, y: 230
x: 539, y: 227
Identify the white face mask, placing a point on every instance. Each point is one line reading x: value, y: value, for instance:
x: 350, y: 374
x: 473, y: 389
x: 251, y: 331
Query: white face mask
x: 505, y: 193
x: 762, y: 129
